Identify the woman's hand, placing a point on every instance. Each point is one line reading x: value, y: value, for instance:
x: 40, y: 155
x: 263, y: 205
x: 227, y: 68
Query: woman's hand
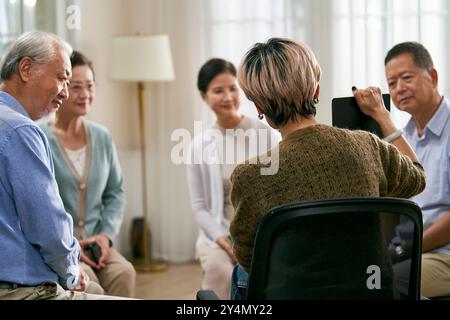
x: 103, y: 241
x: 370, y: 102
x: 225, y: 243
x: 83, y: 257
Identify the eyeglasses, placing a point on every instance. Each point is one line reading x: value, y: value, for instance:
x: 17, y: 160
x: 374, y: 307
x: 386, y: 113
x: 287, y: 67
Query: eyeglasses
x: 78, y: 88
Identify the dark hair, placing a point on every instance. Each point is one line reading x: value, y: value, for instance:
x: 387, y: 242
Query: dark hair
x: 420, y: 54
x: 79, y: 59
x: 210, y: 70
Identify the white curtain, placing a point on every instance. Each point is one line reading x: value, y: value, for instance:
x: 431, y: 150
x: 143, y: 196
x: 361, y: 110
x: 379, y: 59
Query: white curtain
x: 364, y: 30
x: 235, y: 25
x: 349, y: 37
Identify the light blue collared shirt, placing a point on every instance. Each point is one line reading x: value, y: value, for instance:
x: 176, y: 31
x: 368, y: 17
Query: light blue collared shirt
x: 433, y: 152
x: 36, y: 233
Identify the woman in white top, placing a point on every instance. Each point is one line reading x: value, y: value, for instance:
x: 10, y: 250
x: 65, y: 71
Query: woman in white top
x: 214, y: 153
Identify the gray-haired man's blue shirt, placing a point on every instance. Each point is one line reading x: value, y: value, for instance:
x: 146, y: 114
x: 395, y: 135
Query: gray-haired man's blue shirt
x: 36, y: 233
x: 433, y: 152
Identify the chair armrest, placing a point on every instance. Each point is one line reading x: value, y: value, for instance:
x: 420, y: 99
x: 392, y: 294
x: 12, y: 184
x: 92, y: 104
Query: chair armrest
x: 207, y: 295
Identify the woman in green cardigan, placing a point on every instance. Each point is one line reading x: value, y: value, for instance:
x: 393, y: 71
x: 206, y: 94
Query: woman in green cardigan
x: 90, y: 181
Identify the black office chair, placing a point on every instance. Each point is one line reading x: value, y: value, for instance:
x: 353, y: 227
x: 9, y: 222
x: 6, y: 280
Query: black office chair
x: 337, y: 249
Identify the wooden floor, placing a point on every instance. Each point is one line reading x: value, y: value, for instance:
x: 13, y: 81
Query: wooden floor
x: 177, y: 282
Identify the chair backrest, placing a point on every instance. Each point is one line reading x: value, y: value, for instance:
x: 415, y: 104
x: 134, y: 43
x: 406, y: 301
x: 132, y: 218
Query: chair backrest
x: 338, y: 249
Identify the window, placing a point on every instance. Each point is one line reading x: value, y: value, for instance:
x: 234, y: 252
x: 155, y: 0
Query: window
x: 366, y: 29
x: 235, y: 25
x: 351, y: 48
x: 18, y: 16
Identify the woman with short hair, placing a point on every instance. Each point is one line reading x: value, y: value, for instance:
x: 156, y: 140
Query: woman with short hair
x: 315, y: 161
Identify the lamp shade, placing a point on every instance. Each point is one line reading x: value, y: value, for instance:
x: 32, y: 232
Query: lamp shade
x: 141, y: 58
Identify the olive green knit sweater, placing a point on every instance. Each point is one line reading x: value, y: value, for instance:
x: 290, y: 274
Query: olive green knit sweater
x: 318, y: 162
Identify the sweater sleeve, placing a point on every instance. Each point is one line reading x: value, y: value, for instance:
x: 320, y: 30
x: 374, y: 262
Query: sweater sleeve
x: 404, y: 178
x: 245, y: 222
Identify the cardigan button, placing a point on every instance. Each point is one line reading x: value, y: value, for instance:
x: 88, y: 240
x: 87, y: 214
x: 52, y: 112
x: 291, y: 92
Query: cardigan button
x: 82, y: 186
x: 81, y: 223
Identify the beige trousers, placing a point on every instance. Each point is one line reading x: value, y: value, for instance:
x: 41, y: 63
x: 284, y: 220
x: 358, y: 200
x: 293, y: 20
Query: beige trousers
x: 118, y: 278
x: 217, y: 268
x: 50, y: 291
x: 435, y: 280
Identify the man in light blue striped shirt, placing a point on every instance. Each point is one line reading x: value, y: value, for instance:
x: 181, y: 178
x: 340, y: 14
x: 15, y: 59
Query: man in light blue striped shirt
x: 413, y: 85
x: 38, y: 254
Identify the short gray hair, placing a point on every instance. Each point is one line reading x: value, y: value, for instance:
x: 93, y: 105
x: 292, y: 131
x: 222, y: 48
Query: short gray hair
x: 37, y: 45
x: 281, y: 77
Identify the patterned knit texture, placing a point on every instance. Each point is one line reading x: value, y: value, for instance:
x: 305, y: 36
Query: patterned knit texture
x: 318, y: 162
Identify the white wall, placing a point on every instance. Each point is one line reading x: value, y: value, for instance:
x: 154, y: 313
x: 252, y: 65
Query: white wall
x: 115, y: 105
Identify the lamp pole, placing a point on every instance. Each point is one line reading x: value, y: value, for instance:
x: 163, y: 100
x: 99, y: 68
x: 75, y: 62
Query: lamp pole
x: 142, y: 58
x: 147, y: 265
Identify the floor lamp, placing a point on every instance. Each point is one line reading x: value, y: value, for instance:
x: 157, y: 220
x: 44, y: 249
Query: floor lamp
x: 142, y: 59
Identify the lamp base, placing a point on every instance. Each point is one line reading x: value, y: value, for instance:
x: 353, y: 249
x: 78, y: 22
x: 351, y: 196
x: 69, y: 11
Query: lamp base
x: 149, y: 266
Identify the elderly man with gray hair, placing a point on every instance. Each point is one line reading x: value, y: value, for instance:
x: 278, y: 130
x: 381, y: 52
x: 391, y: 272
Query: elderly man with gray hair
x: 39, y: 257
